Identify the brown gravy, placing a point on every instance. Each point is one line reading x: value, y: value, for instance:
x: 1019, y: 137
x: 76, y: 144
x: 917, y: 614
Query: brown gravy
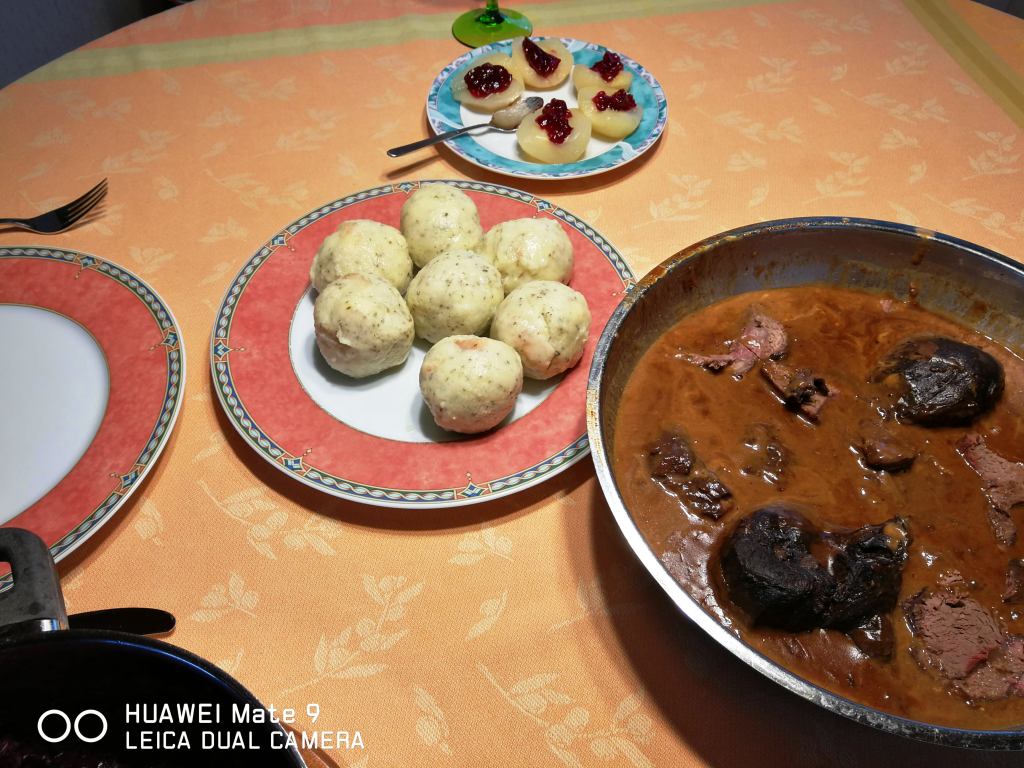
x: 842, y: 334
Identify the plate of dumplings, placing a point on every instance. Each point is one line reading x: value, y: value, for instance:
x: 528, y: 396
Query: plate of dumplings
x: 601, y: 109
x: 421, y: 344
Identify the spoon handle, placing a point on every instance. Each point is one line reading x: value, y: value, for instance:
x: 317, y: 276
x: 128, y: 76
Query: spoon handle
x: 407, y: 148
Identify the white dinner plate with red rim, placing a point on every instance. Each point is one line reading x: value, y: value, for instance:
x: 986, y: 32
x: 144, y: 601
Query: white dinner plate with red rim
x: 93, y: 370
x: 372, y: 440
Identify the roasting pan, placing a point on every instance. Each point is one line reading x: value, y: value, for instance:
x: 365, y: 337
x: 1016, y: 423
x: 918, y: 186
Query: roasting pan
x: 970, y: 284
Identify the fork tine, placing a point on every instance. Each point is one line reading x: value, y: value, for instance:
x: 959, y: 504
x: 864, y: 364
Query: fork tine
x: 88, y: 200
x: 71, y: 213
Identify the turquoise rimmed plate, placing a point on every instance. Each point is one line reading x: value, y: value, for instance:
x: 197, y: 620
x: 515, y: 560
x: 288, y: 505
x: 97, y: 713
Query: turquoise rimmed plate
x: 499, y: 152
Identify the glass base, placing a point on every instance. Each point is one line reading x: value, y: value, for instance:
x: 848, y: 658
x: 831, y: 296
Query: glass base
x: 480, y: 27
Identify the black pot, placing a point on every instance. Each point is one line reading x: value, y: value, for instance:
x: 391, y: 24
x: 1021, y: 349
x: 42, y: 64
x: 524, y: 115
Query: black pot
x: 87, y: 697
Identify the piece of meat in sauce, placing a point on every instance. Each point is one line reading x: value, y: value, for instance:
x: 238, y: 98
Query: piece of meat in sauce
x: 762, y: 338
x: 882, y: 449
x: 1014, y: 590
x: 801, y: 390
x: 964, y: 643
x: 766, y: 456
x: 1003, y: 484
x: 785, y: 573
x: 940, y: 382
x: 676, y: 469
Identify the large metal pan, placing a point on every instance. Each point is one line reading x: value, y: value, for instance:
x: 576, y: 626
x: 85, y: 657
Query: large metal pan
x: 952, y: 277
x: 79, y: 696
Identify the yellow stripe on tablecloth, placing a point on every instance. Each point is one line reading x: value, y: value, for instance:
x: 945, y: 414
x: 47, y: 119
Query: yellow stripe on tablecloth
x: 973, y: 54
x: 103, y: 62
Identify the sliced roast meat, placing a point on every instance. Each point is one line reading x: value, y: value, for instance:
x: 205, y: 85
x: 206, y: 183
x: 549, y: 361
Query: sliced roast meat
x: 1014, y: 591
x: 882, y: 450
x: 964, y: 643
x: 1003, y: 483
x: 1001, y: 676
x: 941, y: 382
x: 675, y: 467
x: 762, y: 338
x: 766, y: 455
x: 771, y: 571
x: 956, y: 631
x: 739, y: 360
x: 800, y: 389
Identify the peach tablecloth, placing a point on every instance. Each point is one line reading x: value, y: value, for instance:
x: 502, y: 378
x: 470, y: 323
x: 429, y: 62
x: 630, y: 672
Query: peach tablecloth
x: 519, y: 632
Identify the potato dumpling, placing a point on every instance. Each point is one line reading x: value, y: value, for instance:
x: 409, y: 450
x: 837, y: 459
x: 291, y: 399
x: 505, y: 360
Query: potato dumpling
x: 613, y: 115
x: 543, y: 63
x: 529, y: 249
x: 366, y: 247
x: 362, y: 325
x: 609, y: 73
x: 456, y: 293
x: 438, y: 218
x: 470, y: 383
x: 547, y: 323
x: 554, y: 133
x: 488, y: 83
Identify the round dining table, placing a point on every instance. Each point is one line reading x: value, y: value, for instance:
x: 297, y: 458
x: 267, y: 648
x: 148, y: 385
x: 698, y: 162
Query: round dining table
x: 521, y: 630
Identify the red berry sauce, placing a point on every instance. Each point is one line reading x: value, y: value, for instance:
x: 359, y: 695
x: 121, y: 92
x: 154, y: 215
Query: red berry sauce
x: 540, y: 61
x: 620, y: 101
x: 486, y: 79
x: 608, y: 67
x: 554, y: 119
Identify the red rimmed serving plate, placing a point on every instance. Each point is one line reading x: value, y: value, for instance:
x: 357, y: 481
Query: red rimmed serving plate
x: 92, y: 380
x: 372, y: 440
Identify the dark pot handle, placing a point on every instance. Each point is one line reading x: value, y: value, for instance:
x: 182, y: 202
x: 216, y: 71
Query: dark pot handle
x: 35, y: 603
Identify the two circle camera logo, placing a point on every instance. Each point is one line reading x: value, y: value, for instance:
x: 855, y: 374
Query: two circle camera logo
x: 54, y: 721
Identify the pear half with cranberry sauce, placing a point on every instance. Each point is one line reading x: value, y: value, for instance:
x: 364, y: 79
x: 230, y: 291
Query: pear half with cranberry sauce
x: 614, y: 115
x: 543, y: 64
x: 554, y: 133
x: 608, y: 73
x: 488, y: 84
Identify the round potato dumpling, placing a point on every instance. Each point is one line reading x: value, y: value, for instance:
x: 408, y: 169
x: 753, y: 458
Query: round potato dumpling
x: 529, y: 249
x: 362, y: 325
x: 547, y: 323
x: 554, y: 133
x: 456, y: 293
x: 544, y: 63
x: 365, y: 247
x: 613, y: 115
x: 488, y: 83
x: 438, y: 218
x: 607, y: 73
x: 470, y: 383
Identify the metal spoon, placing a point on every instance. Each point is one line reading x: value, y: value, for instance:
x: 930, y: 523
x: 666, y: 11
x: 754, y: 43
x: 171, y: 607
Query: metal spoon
x: 505, y: 120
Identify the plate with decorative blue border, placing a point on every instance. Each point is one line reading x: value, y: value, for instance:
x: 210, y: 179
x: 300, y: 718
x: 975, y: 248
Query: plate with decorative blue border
x: 94, y: 361
x: 373, y: 440
x: 500, y: 153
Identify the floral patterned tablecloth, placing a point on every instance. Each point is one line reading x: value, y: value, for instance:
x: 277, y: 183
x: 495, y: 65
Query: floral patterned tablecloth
x: 520, y: 631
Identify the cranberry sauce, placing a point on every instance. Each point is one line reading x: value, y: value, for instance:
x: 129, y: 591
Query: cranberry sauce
x: 608, y: 67
x: 540, y: 61
x: 486, y: 79
x: 554, y: 119
x: 620, y: 101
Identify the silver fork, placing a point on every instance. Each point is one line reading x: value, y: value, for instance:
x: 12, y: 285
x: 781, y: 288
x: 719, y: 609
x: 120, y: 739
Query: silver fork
x: 62, y: 218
